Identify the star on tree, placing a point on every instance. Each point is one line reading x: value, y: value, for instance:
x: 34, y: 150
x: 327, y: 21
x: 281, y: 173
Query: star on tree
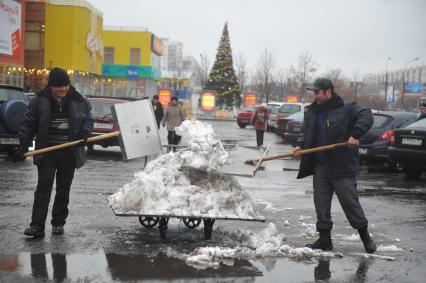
x: 222, y: 77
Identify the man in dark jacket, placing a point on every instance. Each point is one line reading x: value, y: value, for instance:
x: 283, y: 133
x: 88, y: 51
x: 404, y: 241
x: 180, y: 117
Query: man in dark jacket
x: 158, y: 110
x: 330, y: 120
x: 422, y: 111
x: 58, y: 114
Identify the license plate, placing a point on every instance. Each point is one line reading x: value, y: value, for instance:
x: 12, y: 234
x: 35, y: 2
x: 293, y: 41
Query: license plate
x: 102, y: 126
x: 408, y: 141
x: 362, y: 151
x: 14, y: 141
x: 296, y: 129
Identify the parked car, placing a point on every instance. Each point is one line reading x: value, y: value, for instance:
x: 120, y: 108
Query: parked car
x: 273, y: 108
x: 293, y: 128
x: 103, y: 120
x: 244, y: 117
x: 13, y: 105
x: 287, y: 109
x: 408, y: 148
x: 373, y: 147
x: 282, y: 122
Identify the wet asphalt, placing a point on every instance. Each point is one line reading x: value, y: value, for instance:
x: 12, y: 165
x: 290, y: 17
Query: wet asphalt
x: 100, y: 247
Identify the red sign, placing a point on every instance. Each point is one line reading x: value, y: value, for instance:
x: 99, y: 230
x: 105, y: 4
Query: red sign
x: 208, y: 100
x: 250, y: 99
x: 292, y: 98
x: 165, y: 96
x: 12, y: 29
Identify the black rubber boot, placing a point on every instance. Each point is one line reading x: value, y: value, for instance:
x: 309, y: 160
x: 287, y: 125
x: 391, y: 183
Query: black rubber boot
x: 34, y: 231
x: 57, y: 230
x: 369, y: 245
x: 323, y: 243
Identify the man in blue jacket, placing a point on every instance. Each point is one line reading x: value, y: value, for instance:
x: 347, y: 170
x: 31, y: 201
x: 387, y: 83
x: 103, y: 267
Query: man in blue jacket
x: 330, y: 120
x: 58, y: 114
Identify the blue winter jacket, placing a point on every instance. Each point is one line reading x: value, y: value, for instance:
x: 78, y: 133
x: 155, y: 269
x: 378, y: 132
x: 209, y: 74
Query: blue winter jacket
x: 342, y: 121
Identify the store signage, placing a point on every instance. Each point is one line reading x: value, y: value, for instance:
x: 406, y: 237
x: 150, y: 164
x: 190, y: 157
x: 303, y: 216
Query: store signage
x: 250, y: 99
x: 165, y: 96
x: 156, y: 45
x: 94, y: 43
x: 390, y: 95
x: 208, y: 100
x: 11, y: 28
x: 132, y: 72
x: 292, y: 98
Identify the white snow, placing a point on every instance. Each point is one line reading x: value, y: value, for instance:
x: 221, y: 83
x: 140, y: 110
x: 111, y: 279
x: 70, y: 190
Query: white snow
x: 390, y: 258
x: 184, y: 183
x: 353, y: 237
x: 266, y: 243
x: 391, y: 248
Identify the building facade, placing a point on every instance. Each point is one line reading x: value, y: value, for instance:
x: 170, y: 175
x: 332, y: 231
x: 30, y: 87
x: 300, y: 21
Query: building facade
x: 131, y: 62
x: 65, y: 34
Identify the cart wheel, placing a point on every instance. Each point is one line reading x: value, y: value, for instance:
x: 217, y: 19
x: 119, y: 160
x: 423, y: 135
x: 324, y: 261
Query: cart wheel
x: 208, y: 228
x: 191, y: 222
x: 149, y: 222
x: 163, y: 227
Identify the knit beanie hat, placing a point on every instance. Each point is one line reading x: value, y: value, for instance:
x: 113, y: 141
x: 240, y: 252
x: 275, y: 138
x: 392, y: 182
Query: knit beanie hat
x: 58, y: 77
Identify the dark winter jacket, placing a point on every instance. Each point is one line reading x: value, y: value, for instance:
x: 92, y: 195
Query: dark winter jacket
x: 342, y: 121
x: 158, y: 111
x: 37, y: 119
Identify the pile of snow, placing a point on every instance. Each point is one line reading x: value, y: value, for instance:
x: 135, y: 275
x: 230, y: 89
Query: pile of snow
x: 266, y: 243
x: 391, y: 248
x: 184, y: 183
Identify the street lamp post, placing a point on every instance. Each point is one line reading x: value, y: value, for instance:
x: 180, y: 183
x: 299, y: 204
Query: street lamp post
x: 386, y: 79
x: 403, y: 80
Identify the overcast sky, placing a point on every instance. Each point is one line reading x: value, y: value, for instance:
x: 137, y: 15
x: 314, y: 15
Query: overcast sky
x: 354, y: 35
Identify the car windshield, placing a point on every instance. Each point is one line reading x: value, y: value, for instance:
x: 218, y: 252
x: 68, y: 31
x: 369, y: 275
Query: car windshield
x: 298, y: 116
x: 274, y: 109
x: 418, y: 124
x: 289, y: 108
x: 101, y: 109
x: 380, y: 121
x: 8, y: 94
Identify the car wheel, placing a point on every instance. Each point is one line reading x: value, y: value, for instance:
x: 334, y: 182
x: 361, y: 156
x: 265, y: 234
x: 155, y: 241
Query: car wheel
x: 242, y: 126
x: 411, y: 173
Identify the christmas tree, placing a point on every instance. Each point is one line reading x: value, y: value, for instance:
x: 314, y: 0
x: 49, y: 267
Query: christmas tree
x: 222, y: 77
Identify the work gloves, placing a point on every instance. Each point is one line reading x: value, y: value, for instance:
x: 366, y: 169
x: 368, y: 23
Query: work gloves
x: 18, y: 155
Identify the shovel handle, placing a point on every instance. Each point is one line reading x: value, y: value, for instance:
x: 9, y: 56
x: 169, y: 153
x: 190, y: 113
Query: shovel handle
x: 69, y: 144
x: 304, y: 151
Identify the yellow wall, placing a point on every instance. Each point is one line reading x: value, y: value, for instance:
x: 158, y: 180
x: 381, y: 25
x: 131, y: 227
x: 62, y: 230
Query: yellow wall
x: 65, y: 38
x: 122, y: 41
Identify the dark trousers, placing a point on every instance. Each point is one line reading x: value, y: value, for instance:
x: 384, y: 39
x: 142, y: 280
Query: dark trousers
x: 62, y: 165
x: 259, y: 137
x: 346, y: 191
x: 173, y: 138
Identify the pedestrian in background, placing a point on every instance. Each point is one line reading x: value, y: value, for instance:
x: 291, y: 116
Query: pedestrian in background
x: 422, y: 110
x: 174, y: 117
x: 58, y: 114
x: 260, y: 122
x: 158, y: 110
x: 330, y: 120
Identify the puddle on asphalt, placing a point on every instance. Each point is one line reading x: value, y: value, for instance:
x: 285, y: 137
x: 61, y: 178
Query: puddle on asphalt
x: 104, y: 267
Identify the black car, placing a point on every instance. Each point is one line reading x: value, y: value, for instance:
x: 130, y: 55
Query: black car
x: 408, y: 148
x: 282, y: 122
x: 293, y: 128
x: 13, y: 105
x: 373, y: 147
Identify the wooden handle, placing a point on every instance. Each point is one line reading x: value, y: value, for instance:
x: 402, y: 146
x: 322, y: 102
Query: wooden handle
x: 302, y: 152
x: 69, y: 144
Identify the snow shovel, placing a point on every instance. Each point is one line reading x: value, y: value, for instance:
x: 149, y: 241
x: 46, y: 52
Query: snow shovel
x: 137, y: 135
x: 290, y: 154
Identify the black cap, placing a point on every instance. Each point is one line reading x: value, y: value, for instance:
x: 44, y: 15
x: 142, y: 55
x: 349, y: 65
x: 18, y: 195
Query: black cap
x: 58, y: 77
x: 321, y: 84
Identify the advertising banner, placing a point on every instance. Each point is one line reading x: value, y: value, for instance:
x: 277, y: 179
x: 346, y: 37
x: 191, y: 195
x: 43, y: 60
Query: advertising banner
x: 156, y: 45
x: 390, y: 96
x: 414, y: 89
x: 292, y: 98
x: 11, y: 43
x: 208, y: 100
x: 250, y: 99
x: 165, y: 96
